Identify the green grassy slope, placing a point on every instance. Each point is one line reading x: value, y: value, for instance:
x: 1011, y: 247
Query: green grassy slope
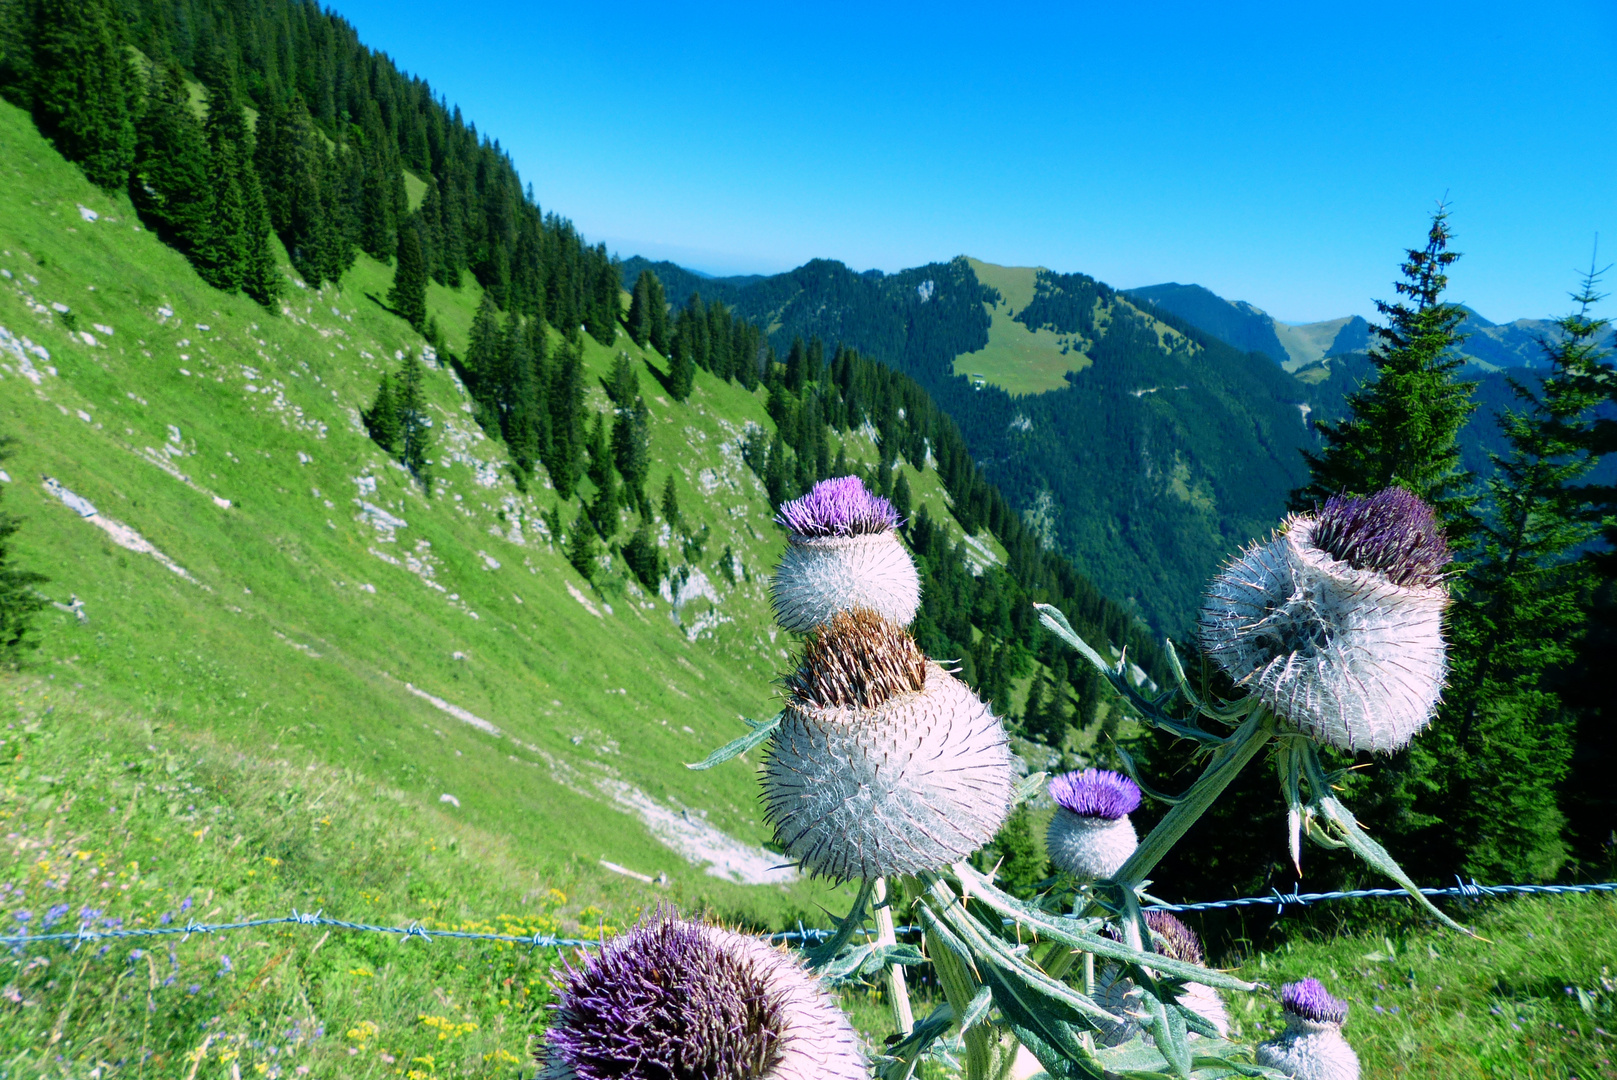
x: 454, y: 654
x: 1016, y: 359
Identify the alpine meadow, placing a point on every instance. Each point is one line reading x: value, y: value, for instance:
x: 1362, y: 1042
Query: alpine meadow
x: 433, y: 644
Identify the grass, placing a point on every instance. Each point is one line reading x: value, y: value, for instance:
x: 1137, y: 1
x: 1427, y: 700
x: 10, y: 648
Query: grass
x: 1016, y: 359
x: 599, y: 693
x: 1537, y: 1000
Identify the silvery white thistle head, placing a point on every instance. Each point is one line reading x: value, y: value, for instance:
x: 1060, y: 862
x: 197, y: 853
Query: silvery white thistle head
x: 884, y: 763
x: 1336, y: 622
x: 675, y: 1000
x: 842, y: 553
x: 1118, y: 994
x: 1312, y: 1046
x: 1090, y: 836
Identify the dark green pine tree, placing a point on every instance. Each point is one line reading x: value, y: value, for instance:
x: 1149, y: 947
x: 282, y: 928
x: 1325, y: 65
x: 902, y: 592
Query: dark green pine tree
x: 623, y: 383
x: 261, y: 273
x: 408, y: 294
x: 670, y: 505
x: 657, y: 303
x: 901, y: 496
x: 566, y: 461
x: 644, y: 558
x: 415, y: 427
x: 778, y: 472
x: 220, y: 255
x: 1520, y: 613
x: 582, y: 547
x: 1403, y: 426
x: 483, y: 361
x: 81, y: 87
x: 376, y: 209
x: 528, y: 422
x: 607, y: 299
x: 20, y: 599
x: 604, y: 507
x: 681, y: 369
x: 169, y: 182
x: 631, y: 451
x: 639, y: 319
x: 382, y: 418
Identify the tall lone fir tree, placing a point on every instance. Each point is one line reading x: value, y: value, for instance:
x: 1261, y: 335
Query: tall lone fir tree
x: 408, y: 295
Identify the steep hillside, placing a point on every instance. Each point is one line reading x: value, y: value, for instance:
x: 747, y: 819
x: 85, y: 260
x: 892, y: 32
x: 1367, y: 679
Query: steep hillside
x: 229, y: 552
x: 1139, y: 446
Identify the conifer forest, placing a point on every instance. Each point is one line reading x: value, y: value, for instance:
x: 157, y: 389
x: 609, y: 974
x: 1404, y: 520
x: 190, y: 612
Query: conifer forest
x: 813, y: 674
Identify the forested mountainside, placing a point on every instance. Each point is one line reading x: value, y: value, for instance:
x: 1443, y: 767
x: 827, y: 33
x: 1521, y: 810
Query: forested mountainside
x: 449, y: 524
x: 1162, y: 451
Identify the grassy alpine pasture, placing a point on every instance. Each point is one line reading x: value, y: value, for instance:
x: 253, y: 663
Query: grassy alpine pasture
x: 1016, y: 359
x: 441, y: 644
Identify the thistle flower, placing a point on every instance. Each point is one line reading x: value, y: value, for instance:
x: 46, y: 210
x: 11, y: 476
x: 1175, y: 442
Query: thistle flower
x: 842, y: 553
x: 673, y: 999
x: 1091, y: 836
x: 883, y: 763
x: 1173, y: 939
x: 1336, y: 622
x: 1312, y: 1046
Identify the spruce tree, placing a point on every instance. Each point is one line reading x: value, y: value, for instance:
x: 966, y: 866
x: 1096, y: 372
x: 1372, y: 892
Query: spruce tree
x: 566, y: 461
x: 644, y: 558
x: 657, y: 302
x: 639, y: 319
x: 82, y: 88
x: 408, y: 295
x: 604, y: 507
x: 20, y: 599
x: 1520, y: 614
x: 1402, y: 428
x: 581, y: 546
x: 415, y: 427
x: 221, y: 253
x: 382, y: 418
x: 670, y: 505
x: 681, y: 370
x: 169, y: 181
x: 261, y: 274
x: 483, y: 361
x: 901, y: 497
x: 631, y: 451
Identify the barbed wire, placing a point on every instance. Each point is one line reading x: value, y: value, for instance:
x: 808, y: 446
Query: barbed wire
x: 86, y: 934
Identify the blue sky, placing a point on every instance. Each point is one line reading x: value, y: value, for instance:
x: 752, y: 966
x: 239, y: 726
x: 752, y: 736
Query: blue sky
x: 1282, y: 154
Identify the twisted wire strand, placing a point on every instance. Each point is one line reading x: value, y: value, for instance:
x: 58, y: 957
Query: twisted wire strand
x: 87, y: 935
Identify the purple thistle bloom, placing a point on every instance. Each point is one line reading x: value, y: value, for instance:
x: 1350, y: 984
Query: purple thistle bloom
x: 674, y: 999
x: 1096, y: 793
x: 1310, y: 1000
x: 838, y: 507
x: 1392, y: 531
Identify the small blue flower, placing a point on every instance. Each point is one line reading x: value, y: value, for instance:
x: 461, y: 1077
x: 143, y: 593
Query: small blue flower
x: 22, y: 915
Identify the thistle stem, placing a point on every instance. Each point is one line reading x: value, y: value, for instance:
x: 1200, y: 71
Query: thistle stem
x: 897, y: 986
x: 1228, y: 761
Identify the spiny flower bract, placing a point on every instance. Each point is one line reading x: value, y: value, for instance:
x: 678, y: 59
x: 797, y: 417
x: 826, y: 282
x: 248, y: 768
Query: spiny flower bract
x: 675, y: 1000
x: 1098, y: 793
x: 1336, y: 622
x: 884, y: 763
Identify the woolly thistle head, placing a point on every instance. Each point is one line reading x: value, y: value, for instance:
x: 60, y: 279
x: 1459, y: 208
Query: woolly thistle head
x: 842, y: 554
x: 1336, y: 622
x: 672, y: 1000
x: 884, y: 763
x: 1309, y: 1000
x: 1097, y: 793
x: 1312, y: 1046
x: 841, y: 506
x: 857, y: 660
x: 1170, y: 937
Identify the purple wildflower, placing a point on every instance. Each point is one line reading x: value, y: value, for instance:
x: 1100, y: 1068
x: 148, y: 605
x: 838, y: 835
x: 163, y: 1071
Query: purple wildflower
x: 1096, y: 793
x: 838, y: 507
x: 55, y: 914
x: 665, y: 1000
x: 225, y: 966
x: 1393, y: 532
x: 22, y: 915
x: 185, y: 905
x: 193, y: 988
x: 1310, y: 1000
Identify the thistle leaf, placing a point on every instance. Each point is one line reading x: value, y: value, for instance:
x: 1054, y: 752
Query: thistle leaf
x: 761, y: 730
